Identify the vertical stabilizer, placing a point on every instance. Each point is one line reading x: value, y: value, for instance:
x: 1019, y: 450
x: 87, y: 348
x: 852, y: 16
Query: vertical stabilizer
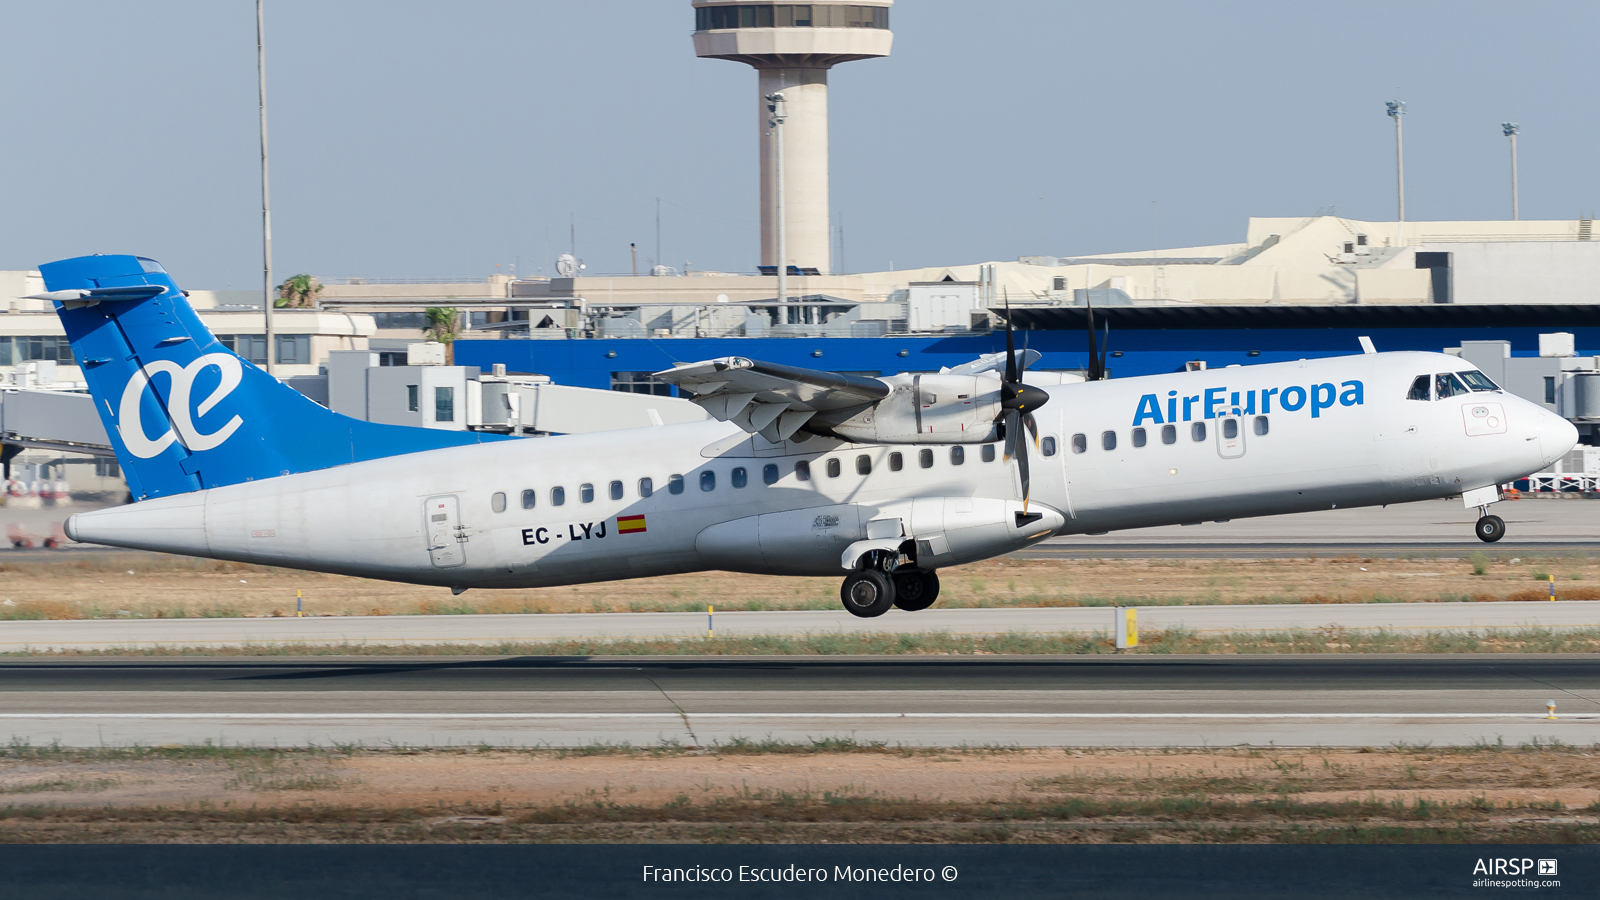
x: 184, y: 412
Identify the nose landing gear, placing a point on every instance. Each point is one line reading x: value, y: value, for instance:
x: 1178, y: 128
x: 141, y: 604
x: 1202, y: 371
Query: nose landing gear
x: 1490, y: 528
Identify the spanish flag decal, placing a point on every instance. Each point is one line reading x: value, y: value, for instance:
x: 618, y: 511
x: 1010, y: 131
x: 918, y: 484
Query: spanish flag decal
x: 630, y: 524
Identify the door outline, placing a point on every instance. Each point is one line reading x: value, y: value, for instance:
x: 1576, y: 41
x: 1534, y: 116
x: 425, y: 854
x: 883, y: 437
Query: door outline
x: 1230, y: 448
x: 446, y: 536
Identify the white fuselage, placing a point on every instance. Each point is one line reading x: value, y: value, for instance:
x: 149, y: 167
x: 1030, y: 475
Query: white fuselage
x: 457, y: 517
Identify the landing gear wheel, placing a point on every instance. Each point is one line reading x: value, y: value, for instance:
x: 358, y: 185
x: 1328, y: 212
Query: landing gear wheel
x: 867, y: 593
x: 1491, y: 529
x: 915, y: 590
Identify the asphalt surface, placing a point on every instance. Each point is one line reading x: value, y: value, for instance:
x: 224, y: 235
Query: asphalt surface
x: 1433, y: 528
x: 491, y: 630
x: 1066, y: 701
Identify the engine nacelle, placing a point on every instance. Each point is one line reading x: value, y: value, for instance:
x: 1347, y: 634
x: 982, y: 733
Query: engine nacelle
x: 935, y: 531
x: 922, y: 409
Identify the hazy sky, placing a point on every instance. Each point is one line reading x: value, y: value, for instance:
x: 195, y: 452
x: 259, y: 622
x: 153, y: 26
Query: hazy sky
x: 413, y: 138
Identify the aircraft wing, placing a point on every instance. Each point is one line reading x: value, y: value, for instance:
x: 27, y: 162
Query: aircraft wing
x: 770, y: 399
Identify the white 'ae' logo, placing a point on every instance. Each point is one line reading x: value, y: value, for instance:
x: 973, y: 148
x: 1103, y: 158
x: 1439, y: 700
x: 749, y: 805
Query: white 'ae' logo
x: 178, y: 405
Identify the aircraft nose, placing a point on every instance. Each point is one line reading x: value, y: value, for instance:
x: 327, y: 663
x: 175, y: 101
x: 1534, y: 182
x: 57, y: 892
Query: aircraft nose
x: 1556, y: 436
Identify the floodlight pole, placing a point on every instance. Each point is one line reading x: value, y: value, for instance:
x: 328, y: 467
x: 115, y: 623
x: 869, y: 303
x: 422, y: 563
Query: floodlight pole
x: 775, y: 107
x: 1397, y: 108
x: 266, y: 202
x: 1510, y: 129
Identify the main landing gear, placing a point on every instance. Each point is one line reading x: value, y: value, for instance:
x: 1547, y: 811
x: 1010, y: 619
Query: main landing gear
x: 1490, y: 528
x: 870, y: 592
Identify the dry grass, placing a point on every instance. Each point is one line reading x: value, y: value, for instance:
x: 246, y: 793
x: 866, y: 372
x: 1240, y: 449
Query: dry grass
x: 1331, y: 640
x: 836, y: 791
x: 83, y: 584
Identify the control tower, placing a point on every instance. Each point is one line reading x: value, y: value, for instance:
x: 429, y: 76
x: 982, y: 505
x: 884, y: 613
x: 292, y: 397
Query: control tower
x: 792, y: 47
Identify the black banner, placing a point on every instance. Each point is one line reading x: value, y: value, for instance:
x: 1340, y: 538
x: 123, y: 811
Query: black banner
x: 879, y: 871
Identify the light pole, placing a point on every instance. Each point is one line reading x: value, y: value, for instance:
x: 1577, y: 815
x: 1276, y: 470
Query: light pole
x: 1510, y: 129
x: 266, y: 203
x: 775, y: 120
x: 1397, y: 108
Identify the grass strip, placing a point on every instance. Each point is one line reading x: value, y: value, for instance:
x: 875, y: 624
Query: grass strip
x: 1329, y: 640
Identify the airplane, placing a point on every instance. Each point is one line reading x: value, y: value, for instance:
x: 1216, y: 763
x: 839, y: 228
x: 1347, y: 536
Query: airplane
x: 881, y: 481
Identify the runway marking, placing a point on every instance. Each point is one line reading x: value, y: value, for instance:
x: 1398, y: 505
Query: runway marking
x: 760, y: 715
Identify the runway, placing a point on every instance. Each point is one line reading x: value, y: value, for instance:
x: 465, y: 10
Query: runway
x: 1431, y: 528
x: 533, y: 701
x: 492, y: 630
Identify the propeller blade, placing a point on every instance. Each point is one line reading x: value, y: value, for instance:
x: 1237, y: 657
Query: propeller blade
x: 1009, y: 420
x: 1011, y: 346
x: 1096, y: 367
x: 1104, y: 346
x: 1022, y: 469
x: 1033, y: 428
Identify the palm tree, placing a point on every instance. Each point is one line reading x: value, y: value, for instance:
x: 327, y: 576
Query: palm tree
x: 299, y: 291
x: 442, y: 324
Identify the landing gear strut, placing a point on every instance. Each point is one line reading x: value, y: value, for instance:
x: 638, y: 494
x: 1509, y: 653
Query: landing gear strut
x: 1490, y: 528
x: 867, y: 593
x: 915, y: 590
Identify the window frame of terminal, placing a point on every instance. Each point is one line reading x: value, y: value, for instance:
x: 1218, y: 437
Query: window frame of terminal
x: 789, y: 15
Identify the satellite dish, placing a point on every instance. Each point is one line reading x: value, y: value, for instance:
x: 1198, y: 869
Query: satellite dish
x: 566, y: 265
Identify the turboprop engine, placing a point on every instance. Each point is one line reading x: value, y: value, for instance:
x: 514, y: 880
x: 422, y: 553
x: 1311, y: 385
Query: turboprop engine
x: 922, y: 409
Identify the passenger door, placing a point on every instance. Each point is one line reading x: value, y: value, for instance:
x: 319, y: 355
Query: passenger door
x: 447, y: 539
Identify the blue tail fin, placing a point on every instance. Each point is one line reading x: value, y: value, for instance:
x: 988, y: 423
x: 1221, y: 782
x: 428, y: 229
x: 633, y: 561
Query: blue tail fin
x: 184, y: 412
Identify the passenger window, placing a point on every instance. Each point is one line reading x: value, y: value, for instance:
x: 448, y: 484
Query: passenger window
x: 498, y: 502
x: 739, y: 477
x: 925, y: 458
x: 1198, y: 431
x: 586, y: 493
x: 1108, y: 440
x: 674, y: 484
x: 802, y: 470
x: 833, y: 468
x: 988, y: 453
x: 529, y: 498
x: 958, y: 455
x: 1049, y: 446
x: 1446, y: 385
x: 1230, y: 428
x: 1261, y: 424
x: 1478, y: 381
x: 1169, y: 434
x: 1419, y: 389
x: 1080, y: 443
x: 558, y: 496
x: 708, y: 480
x: 769, y: 473
x: 616, y: 490
x: 863, y: 465
x: 896, y: 462
x: 1139, y: 438
x: 646, y: 487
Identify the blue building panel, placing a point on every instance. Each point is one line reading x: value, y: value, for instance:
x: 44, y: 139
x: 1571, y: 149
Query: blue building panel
x: 590, y: 363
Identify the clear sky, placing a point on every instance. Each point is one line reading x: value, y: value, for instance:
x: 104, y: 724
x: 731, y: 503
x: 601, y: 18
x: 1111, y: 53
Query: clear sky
x: 413, y: 138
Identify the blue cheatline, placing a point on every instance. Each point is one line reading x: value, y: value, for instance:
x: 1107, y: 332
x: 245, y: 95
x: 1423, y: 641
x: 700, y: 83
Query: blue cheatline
x: 186, y: 413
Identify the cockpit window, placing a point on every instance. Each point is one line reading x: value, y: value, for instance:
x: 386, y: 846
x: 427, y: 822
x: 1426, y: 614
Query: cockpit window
x: 1419, y: 388
x: 1478, y: 381
x: 1447, y: 385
